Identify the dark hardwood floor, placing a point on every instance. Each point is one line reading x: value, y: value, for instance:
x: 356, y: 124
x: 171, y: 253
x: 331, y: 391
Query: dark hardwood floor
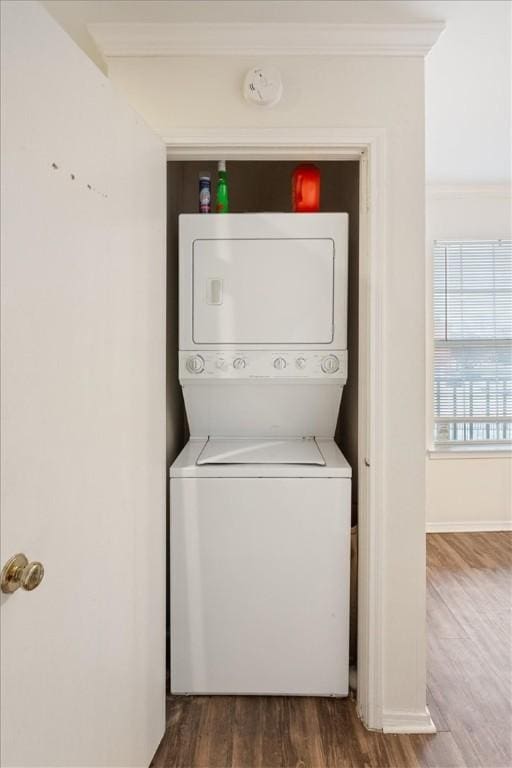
x: 469, y: 688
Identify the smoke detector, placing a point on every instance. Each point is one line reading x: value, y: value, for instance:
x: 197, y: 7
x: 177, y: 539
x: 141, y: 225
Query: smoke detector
x: 263, y: 86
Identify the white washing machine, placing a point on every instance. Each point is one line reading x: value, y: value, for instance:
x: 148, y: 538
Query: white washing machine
x: 261, y: 495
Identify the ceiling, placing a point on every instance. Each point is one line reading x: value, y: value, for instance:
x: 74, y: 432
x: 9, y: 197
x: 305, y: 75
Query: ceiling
x: 468, y: 73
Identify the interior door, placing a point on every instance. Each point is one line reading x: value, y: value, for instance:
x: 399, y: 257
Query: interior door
x: 82, y: 408
x: 263, y: 291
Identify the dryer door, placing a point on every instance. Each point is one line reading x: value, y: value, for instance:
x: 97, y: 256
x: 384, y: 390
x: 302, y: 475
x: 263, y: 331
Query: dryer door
x: 263, y: 291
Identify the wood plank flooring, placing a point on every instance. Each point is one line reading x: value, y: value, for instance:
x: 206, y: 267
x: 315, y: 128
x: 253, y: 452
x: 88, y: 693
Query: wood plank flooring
x: 469, y: 688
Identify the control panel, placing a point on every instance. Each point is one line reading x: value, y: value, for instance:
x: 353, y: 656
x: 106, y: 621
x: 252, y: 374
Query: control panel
x: 262, y: 364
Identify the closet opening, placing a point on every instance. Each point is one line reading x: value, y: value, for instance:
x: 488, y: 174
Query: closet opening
x: 257, y: 186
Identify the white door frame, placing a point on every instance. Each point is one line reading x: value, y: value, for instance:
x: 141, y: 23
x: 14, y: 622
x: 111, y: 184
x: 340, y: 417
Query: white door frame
x: 368, y: 146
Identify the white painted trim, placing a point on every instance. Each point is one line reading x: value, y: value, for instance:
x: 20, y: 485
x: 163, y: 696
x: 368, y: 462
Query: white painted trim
x: 371, y: 513
x: 279, y: 143
x: 263, y: 39
x: 369, y: 146
x: 470, y: 526
x: 470, y: 453
x: 395, y: 721
x: 468, y: 191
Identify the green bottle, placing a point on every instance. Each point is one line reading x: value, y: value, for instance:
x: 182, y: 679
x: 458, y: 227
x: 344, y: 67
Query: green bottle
x: 222, y: 189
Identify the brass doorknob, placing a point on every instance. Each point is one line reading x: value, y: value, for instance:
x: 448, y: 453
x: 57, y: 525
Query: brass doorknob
x: 18, y: 572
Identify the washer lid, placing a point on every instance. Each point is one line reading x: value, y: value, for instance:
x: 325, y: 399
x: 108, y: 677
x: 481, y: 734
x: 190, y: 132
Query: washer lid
x: 235, y: 450
x: 186, y: 468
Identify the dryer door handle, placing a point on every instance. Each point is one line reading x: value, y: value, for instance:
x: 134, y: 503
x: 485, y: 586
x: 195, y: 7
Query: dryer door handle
x: 214, y: 290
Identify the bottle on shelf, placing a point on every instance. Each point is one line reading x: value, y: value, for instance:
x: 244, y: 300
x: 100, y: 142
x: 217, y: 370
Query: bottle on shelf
x: 222, y: 189
x: 205, y: 193
x: 306, y: 189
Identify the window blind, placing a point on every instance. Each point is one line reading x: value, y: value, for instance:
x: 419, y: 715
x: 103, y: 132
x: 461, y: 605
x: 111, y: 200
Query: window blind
x: 472, y: 342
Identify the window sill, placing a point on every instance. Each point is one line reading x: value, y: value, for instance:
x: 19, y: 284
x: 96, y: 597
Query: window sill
x: 471, y: 452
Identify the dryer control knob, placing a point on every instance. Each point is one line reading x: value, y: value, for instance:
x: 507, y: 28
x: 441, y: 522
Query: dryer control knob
x: 239, y: 363
x: 301, y: 362
x: 195, y: 364
x: 280, y: 363
x: 330, y: 364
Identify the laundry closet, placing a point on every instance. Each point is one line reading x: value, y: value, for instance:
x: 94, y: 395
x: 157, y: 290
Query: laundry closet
x: 84, y: 339
x: 262, y: 343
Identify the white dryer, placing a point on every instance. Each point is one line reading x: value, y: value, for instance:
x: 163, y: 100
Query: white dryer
x: 260, y: 496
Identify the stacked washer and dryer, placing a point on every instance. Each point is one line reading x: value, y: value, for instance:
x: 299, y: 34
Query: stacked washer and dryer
x: 261, y: 494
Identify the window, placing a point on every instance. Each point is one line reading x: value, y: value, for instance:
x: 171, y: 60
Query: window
x: 472, y: 342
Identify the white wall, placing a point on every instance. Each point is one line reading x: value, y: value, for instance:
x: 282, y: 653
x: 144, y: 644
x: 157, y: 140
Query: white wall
x: 467, y: 73
x: 181, y: 93
x: 468, y: 91
x: 467, y: 492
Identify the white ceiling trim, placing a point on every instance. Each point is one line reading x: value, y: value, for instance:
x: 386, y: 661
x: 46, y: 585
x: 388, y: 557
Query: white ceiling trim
x: 126, y: 39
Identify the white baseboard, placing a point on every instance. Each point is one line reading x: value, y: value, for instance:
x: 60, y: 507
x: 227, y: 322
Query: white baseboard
x: 394, y: 721
x: 470, y: 526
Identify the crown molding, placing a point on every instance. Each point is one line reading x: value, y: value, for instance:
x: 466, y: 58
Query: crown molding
x: 129, y: 39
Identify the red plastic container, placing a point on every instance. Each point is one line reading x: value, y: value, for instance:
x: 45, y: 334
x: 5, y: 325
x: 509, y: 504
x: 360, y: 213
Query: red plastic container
x: 306, y: 189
